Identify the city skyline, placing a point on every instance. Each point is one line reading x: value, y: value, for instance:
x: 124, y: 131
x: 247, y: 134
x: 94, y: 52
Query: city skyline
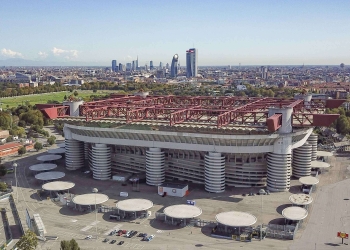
x: 226, y: 33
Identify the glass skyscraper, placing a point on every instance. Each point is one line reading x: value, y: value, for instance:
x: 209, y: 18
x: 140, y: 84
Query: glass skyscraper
x: 192, y: 62
x: 114, y: 65
x: 173, y: 70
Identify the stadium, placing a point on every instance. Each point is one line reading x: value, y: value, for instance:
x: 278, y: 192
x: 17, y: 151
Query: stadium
x: 214, y: 141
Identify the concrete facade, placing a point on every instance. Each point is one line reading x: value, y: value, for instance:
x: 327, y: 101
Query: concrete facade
x: 214, y: 160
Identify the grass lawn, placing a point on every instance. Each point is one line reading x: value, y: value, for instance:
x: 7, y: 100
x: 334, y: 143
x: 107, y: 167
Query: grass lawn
x: 43, y: 98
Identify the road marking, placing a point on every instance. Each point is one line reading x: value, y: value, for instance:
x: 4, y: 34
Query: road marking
x: 94, y: 223
x: 159, y: 231
x: 117, y: 227
x: 73, y: 220
x: 86, y: 228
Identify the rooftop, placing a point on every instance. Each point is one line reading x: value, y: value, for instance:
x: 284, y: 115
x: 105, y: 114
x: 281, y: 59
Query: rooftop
x: 222, y: 114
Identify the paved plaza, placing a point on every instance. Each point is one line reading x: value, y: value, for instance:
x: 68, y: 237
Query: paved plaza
x: 328, y: 214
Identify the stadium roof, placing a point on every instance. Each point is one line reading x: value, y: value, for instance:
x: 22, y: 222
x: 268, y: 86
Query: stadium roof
x: 208, y: 111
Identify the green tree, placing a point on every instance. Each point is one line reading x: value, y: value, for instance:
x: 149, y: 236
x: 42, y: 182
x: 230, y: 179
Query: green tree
x: 38, y: 146
x: 51, y: 140
x: 22, y: 150
x: 28, y: 241
x: 3, y: 186
x: 69, y: 245
x: 343, y: 125
x: 9, y: 139
x: 75, y: 93
x: 5, y: 120
x: 33, y: 117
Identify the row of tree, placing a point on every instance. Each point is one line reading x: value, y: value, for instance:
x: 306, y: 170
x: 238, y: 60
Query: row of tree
x: 12, y: 89
x: 29, y: 241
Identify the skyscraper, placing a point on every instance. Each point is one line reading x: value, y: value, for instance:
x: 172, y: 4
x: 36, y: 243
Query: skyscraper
x: 137, y: 63
x: 173, y: 71
x: 151, y: 65
x: 114, y: 65
x: 160, y: 65
x: 192, y: 62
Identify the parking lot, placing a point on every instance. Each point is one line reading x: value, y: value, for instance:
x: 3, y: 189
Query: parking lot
x: 67, y: 223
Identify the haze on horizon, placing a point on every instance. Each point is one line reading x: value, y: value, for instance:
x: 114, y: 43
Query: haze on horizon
x: 225, y: 32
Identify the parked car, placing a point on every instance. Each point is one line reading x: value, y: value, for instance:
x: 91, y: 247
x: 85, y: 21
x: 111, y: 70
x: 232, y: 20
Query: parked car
x: 128, y: 234
x: 106, y: 240
x: 150, y: 238
x: 121, y: 243
x: 142, y: 235
x: 113, y: 241
x: 132, y: 234
x: 88, y: 237
x: 120, y: 233
x: 9, y: 170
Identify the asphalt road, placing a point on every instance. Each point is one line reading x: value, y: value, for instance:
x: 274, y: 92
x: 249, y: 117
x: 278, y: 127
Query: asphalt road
x: 330, y: 213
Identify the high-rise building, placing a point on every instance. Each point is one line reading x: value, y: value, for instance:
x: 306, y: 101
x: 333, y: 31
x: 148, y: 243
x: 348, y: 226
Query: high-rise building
x: 133, y: 66
x: 128, y: 66
x: 173, y: 72
x: 120, y: 67
x: 137, y: 63
x: 114, y: 65
x: 160, y: 65
x: 192, y: 62
x: 151, y: 65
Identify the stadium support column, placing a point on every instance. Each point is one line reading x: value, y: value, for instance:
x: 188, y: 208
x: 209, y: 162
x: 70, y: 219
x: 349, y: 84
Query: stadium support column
x: 302, y: 160
x: 86, y: 151
x: 279, y: 162
x: 214, y: 172
x: 101, y: 161
x: 313, y: 138
x: 155, y: 169
x: 74, y: 151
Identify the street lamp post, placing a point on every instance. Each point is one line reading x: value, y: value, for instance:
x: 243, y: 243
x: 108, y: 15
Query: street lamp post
x: 14, y: 165
x: 95, y: 190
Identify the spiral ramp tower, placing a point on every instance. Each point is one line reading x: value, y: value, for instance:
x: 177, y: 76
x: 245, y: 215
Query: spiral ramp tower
x: 214, y: 172
x: 100, y: 161
x: 278, y: 172
x: 313, y: 138
x: 302, y: 160
x: 74, y: 154
x: 155, y: 169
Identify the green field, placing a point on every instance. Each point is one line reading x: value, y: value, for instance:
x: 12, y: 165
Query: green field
x: 43, y: 98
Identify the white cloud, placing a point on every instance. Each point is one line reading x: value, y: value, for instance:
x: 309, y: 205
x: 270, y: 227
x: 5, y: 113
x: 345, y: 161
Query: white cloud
x: 68, y: 54
x: 42, y: 54
x: 10, y: 53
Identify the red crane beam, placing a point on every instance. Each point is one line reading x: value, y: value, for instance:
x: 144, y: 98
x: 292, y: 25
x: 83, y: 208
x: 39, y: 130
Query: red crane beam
x: 206, y: 109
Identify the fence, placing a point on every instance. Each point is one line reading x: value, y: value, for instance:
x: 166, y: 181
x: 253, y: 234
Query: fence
x: 15, y: 214
x: 7, y: 228
x: 285, y: 232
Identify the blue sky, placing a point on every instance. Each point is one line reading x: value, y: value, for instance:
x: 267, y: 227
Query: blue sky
x: 225, y: 32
